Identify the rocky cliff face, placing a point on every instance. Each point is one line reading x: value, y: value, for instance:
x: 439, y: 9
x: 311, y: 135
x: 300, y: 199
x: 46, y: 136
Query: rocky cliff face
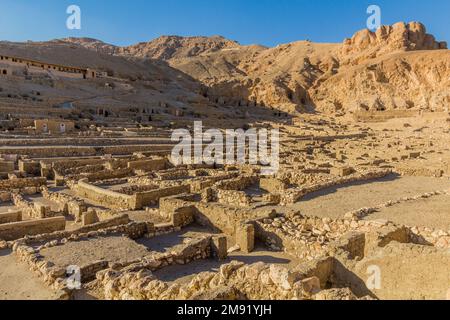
x: 400, y: 36
x: 397, y: 67
x: 403, y: 81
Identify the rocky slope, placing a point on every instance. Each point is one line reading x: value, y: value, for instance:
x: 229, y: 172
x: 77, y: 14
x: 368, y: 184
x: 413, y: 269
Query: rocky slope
x: 136, y: 81
x: 396, y: 67
x: 64, y: 53
x: 162, y: 48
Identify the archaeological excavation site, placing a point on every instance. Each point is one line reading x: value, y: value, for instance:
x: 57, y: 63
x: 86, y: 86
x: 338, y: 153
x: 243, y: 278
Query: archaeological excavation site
x: 94, y: 206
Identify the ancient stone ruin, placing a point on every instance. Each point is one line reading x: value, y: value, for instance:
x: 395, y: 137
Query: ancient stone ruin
x: 92, y: 204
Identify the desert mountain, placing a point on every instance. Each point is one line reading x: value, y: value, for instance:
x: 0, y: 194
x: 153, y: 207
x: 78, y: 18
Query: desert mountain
x: 397, y: 67
x: 162, y: 48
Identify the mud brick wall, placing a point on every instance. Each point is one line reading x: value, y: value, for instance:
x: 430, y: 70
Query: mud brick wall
x: 17, y: 230
x: 383, y: 116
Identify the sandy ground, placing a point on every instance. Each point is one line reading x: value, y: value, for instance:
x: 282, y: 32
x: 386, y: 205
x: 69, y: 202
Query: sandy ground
x: 433, y: 213
x: 111, y: 249
x: 335, y: 202
x: 17, y: 282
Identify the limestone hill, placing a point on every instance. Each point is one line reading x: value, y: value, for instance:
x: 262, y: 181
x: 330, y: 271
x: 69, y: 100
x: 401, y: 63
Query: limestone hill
x: 397, y: 67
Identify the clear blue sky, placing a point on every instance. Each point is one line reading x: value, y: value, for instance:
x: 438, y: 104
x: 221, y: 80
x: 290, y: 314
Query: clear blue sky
x: 267, y: 22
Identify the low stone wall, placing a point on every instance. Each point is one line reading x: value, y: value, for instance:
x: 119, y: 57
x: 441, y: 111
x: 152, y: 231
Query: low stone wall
x: 33, y: 210
x: 14, y: 216
x: 107, y: 174
x: 234, y: 198
x: 168, y: 205
x: 73, y: 206
x: 133, y: 230
x: 238, y: 184
x: 381, y: 116
x: 76, y: 170
x: 59, y: 151
x: 183, y: 216
x: 222, y: 218
x: 207, y: 182
x: 107, y: 198
x: 310, y: 237
x: 7, y: 166
x: 214, y: 215
x: 418, y: 234
x: 420, y: 172
x: 132, y: 189
x: 117, y: 284
x: 426, y: 236
x: 55, y: 277
x: 148, y: 165
x: 21, y: 183
x: 291, y: 196
x: 65, y: 166
x: 152, y: 197
x: 233, y: 281
x: 30, y: 167
x: 17, y: 230
x: 113, y: 222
